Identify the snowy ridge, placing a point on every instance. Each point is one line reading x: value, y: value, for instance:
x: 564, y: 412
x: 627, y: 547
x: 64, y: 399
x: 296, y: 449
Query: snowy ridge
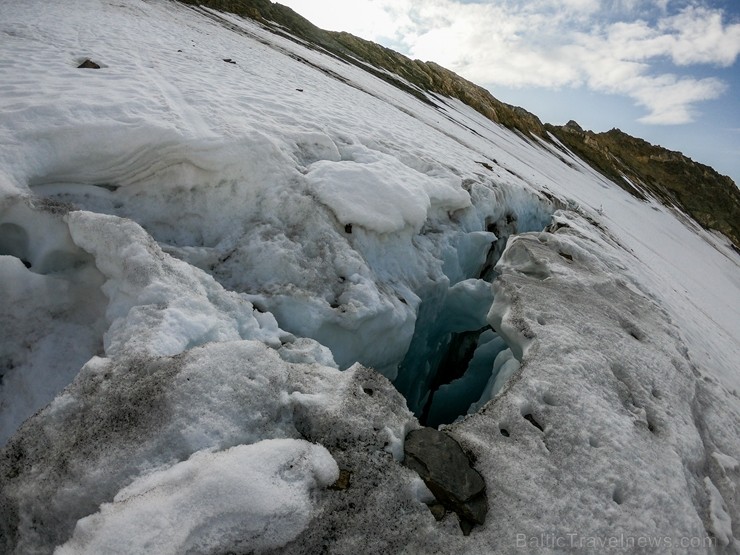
x: 224, y: 283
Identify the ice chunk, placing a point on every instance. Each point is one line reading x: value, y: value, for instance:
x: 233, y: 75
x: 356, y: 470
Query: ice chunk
x: 503, y: 320
x: 304, y: 350
x: 160, y: 305
x: 251, y: 496
x: 122, y: 418
x: 719, y: 521
x: 503, y: 368
x: 382, y: 195
x: 726, y: 462
x: 469, y: 255
x: 363, y: 318
x: 52, y: 317
x: 467, y: 305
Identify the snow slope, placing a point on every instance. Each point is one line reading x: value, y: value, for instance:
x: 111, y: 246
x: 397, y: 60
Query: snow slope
x: 219, y: 279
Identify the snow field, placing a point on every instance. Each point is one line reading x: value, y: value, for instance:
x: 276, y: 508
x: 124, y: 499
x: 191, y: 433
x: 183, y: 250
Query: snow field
x: 594, y: 331
x: 191, y: 250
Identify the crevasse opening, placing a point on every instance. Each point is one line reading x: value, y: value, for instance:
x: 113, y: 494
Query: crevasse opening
x: 456, y: 362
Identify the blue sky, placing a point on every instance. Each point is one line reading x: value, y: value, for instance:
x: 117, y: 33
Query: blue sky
x: 663, y: 70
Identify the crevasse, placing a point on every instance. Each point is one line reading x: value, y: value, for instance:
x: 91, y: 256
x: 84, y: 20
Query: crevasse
x: 456, y: 361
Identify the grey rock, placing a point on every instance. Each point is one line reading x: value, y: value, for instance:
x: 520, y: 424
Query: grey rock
x: 88, y: 64
x: 342, y: 483
x: 438, y: 511
x: 445, y: 468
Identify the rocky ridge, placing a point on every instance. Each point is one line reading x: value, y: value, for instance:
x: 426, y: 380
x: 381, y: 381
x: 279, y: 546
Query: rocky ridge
x: 647, y: 170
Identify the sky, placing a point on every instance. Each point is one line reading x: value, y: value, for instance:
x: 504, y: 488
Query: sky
x: 663, y: 70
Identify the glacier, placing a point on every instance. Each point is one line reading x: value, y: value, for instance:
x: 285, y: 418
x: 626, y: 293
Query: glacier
x: 227, y: 284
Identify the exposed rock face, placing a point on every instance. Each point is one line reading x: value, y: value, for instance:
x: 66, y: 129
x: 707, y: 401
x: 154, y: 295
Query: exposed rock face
x: 446, y: 470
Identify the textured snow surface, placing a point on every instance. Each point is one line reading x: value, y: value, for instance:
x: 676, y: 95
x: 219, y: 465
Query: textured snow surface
x: 222, y: 283
x: 251, y: 497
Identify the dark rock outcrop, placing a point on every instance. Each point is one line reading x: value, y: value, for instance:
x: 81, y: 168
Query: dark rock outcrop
x: 446, y: 470
x: 88, y: 64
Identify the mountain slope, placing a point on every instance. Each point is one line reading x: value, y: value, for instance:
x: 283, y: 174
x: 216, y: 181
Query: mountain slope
x: 711, y: 199
x: 237, y: 271
x: 415, y: 76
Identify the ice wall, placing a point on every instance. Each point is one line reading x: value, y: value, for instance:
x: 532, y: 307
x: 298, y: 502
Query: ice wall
x: 52, y: 318
x: 391, y: 281
x: 452, y: 356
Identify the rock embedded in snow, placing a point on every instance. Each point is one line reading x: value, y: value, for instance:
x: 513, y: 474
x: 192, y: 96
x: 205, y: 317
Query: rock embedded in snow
x: 88, y: 64
x: 343, y: 482
x: 446, y: 470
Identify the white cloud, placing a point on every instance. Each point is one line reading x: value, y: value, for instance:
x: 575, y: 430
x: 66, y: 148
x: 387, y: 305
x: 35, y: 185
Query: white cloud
x: 699, y: 36
x: 672, y: 102
x: 618, y: 47
x: 365, y: 18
